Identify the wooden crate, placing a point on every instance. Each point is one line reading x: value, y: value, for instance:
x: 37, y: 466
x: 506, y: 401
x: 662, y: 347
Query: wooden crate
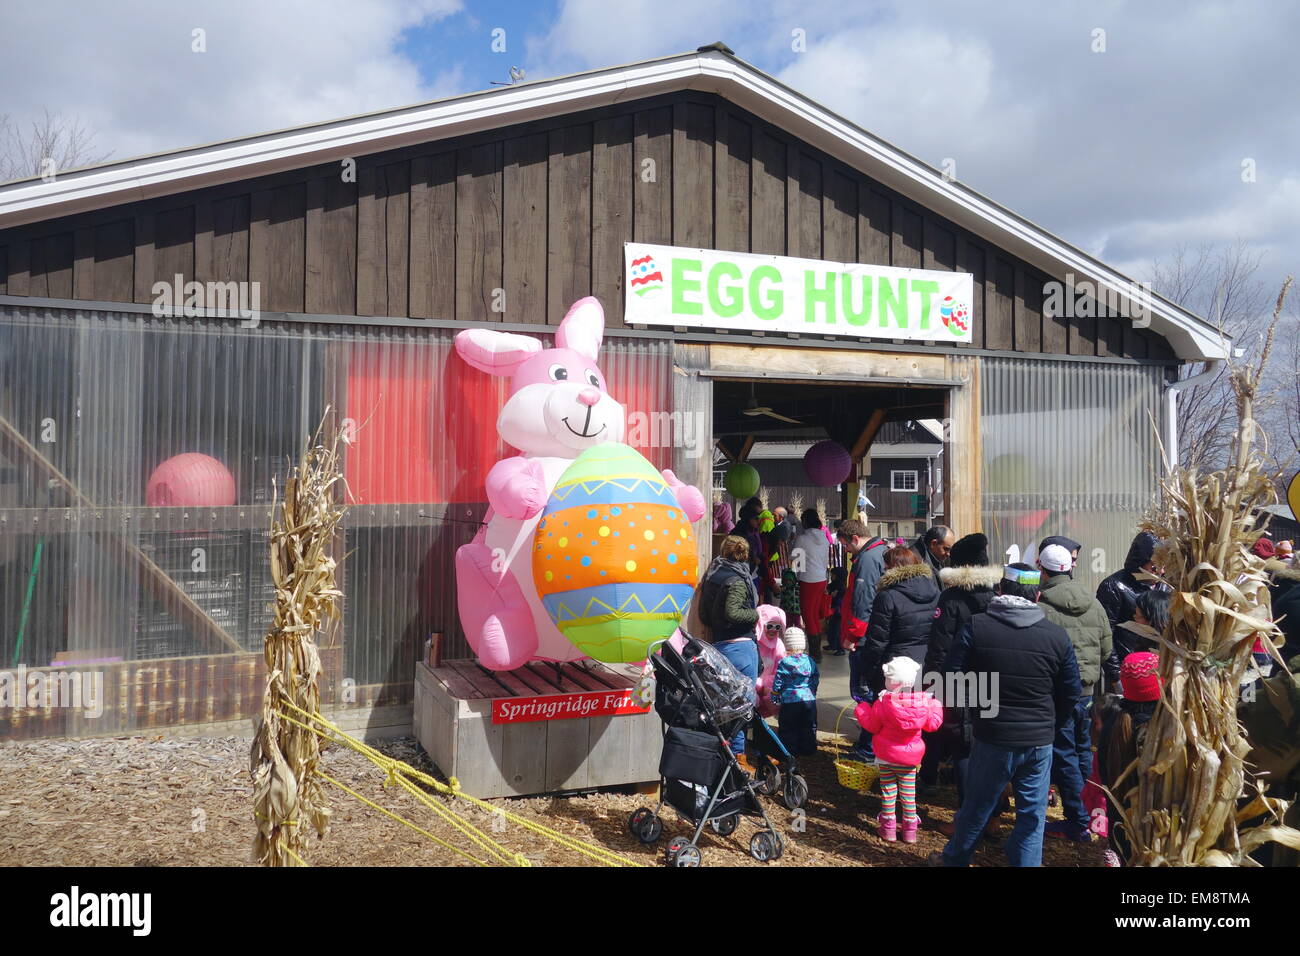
x: 453, y: 722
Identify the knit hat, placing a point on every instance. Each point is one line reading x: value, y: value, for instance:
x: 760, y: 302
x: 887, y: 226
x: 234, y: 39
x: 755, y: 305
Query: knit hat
x: 1285, y: 549
x: 1139, y: 676
x: 970, y: 551
x: 1264, y: 548
x: 794, y: 640
x: 1069, y: 544
x: 900, y: 673
x: 1055, y: 558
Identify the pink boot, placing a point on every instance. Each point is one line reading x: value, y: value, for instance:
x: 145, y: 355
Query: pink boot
x: 888, y: 827
x: 909, y: 828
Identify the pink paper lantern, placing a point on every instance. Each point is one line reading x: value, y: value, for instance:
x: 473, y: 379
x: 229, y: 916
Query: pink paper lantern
x: 190, y: 480
x: 827, y: 463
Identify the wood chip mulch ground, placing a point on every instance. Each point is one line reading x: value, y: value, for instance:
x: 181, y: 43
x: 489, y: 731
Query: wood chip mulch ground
x: 155, y: 801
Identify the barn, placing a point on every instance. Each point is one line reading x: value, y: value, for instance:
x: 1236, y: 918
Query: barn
x: 172, y: 326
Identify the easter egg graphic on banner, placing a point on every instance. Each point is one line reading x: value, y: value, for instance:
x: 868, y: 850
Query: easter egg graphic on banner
x: 644, y: 277
x: 614, y: 555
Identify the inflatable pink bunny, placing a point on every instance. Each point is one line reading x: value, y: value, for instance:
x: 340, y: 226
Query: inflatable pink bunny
x: 557, y: 409
x: 770, y: 652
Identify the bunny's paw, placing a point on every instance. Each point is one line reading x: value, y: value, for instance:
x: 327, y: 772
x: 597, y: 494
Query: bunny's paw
x: 516, y: 488
x: 688, y: 496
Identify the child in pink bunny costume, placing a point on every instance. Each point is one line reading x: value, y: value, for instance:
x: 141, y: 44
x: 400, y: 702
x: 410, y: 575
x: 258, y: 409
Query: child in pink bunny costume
x: 896, y: 721
x: 557, y: 409
x: 770, y: 629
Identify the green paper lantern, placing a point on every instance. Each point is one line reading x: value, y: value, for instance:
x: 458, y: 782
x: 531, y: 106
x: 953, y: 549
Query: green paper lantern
x: 741, y: 482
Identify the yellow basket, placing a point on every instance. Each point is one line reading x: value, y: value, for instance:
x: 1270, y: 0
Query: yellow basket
x: 853, y: 774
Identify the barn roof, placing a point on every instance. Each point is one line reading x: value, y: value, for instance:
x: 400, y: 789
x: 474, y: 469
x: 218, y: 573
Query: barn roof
x: 710, y: 69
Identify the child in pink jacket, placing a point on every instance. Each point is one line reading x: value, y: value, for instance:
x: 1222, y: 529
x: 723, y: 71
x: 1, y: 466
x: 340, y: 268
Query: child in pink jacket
x: 895, y: 722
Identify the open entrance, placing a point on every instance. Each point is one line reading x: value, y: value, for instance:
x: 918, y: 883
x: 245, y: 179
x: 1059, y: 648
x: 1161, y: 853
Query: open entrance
x: 893, y: 435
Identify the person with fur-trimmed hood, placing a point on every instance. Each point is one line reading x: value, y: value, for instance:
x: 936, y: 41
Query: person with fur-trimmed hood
x: 900, y: 615
x: 968, y: 584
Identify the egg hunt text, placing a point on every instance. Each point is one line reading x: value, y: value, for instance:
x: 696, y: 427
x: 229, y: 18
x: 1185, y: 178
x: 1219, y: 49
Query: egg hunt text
x: 702, y: 288
x: 515, y: 710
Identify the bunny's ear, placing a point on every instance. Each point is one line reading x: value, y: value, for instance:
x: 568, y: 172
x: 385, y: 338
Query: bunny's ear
x: 497, y: 353
x: 583, y: 328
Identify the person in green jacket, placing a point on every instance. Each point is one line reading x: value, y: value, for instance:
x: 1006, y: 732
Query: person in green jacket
x: 1072, y: 606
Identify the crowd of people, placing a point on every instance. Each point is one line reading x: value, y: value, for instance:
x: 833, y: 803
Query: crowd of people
x: 1074, y: 672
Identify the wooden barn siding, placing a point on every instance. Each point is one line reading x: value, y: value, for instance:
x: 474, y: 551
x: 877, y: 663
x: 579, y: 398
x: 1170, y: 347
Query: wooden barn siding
x: 514, y: 224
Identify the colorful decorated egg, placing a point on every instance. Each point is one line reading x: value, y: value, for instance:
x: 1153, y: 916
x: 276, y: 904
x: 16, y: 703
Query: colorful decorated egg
x: 644, y: 277
x: 614, y: 556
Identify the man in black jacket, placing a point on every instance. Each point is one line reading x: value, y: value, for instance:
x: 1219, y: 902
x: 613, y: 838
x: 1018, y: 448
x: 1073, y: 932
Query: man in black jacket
x: 934, y: 548
x: 1118, y: 593
x: 1030, y: 669
x: 968, y: 584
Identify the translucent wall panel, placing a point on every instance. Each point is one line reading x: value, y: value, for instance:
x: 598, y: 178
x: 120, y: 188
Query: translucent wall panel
x: 93, y: 403
x: 1068, y: 448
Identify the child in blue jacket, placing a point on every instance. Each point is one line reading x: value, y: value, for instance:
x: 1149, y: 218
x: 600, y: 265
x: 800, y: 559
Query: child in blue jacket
x: 794, y: 690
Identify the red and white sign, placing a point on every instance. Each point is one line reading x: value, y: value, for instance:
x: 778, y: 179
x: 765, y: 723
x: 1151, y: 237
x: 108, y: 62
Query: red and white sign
x: 599, y: 703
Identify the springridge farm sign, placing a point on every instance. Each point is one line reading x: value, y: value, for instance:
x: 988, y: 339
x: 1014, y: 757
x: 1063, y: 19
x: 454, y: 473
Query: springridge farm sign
x: 601, y: 703
x: 703, y: 288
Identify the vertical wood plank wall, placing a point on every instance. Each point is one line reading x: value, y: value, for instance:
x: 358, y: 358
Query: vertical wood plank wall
x: 514, y: 224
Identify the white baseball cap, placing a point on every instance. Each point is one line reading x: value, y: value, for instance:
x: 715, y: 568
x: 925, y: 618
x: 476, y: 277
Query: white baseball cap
x: 1055, y: 558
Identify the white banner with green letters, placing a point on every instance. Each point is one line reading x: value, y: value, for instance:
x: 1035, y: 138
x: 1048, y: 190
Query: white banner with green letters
x: 703, y: 288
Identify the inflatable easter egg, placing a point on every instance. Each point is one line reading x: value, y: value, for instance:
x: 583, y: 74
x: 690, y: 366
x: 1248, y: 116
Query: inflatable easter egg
x: 614, y: 555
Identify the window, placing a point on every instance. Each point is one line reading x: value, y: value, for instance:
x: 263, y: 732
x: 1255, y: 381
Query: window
x: 902, y: 481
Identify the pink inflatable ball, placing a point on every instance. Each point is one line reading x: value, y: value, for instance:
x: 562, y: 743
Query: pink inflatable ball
x: 827, y: 463
x: 190, y: 480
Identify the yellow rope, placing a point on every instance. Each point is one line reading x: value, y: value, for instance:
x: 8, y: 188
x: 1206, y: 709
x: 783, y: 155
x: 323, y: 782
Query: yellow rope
x: 468, y: 829
x: 300, y: 860
x: 397, y: 771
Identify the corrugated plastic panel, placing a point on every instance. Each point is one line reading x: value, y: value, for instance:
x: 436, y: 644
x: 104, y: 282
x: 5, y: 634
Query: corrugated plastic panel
x: 1069, y: 448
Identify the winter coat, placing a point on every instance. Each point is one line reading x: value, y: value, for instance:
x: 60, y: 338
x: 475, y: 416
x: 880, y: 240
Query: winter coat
x: 1037, y: 675
x: 860, y: 593
x: 900, y: 620
x: 728, y: 604
x: 1118, y: 593
x: 896, y: 721
x: 1069, y: 604
x: 966, y: 592
x: 796, y: 679
x: 1286, y: 605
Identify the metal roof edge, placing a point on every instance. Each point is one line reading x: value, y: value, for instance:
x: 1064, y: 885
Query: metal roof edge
x: 707, y: 69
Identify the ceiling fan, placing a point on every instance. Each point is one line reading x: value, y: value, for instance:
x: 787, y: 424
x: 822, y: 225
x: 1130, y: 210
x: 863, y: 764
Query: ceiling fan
x: 753, y: 408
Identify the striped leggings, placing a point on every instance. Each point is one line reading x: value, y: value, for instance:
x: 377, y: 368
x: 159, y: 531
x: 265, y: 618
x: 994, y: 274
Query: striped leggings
x: 897, y: 786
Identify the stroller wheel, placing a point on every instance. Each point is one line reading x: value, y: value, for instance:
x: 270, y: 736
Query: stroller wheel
x: 795, y: 794
x: 725, y: 826
x: 769, y: 778
x: 645, y: 826
x: 673, y: 848
x: 765, y: 846
x: 688, y: 854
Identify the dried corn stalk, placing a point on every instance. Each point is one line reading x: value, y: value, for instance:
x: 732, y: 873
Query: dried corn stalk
x: 1192, y: 770
x: 796, y: 504
x: 286, y: 791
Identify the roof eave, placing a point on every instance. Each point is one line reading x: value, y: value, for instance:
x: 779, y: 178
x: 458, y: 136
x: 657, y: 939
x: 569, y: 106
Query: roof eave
x: 707, y: 70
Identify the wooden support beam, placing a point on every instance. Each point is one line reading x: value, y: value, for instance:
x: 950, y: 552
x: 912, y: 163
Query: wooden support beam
x: 745, y: 448
x: 861, y: 446
x: 730, y: 455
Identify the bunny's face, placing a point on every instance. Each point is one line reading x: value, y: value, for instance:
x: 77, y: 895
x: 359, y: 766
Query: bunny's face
x: 558, y: 405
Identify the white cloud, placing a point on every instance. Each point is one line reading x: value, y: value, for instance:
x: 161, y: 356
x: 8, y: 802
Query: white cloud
x: 128, y: 68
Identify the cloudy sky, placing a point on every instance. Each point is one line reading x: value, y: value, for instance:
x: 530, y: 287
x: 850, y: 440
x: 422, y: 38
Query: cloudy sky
x: 1127, y: 128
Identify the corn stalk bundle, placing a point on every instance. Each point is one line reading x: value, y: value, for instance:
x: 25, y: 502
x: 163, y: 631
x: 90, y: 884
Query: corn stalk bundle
x: 286, y: 791
x: 796, y: 503
x: 1192, y: 770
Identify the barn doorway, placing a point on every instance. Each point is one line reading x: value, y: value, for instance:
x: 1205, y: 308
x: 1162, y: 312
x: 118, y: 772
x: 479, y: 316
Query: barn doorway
x: 894, y: 434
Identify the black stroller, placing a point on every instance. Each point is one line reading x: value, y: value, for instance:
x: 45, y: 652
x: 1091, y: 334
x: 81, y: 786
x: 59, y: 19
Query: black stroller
x: 703, y: 701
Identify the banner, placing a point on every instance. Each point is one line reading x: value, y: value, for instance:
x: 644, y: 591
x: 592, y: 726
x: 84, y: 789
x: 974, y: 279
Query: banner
x: 599, y: 703
x: 703, y: 288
